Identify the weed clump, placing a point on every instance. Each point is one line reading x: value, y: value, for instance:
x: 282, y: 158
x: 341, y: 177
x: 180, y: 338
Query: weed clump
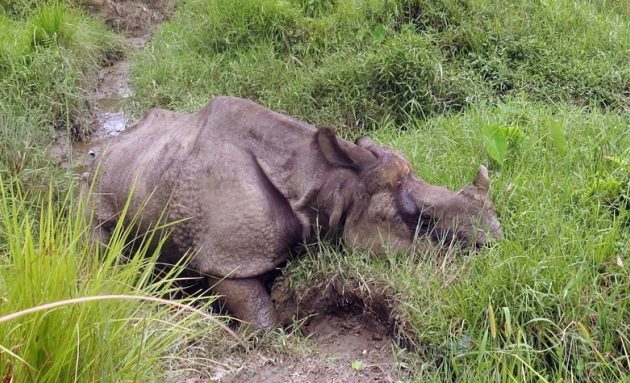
x: 47, y: 256
x: 610, y: 187
x: 49, y: 27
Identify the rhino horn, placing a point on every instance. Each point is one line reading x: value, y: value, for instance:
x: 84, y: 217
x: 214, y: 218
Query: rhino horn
x: 480, y: 188
x: 482, y: 181
x: 415, y: 197
x: 342, y: 153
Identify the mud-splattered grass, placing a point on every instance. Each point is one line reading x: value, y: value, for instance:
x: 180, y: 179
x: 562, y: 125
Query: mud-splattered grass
x: 136, y: 18
x: 48, y: 51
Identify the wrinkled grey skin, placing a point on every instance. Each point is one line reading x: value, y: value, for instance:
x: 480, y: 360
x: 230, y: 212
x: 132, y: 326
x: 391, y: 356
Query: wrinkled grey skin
x: 251, y: 184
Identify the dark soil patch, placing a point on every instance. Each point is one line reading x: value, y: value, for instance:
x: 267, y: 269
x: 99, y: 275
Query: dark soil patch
x: 134, y: 17
x: 374, y: 301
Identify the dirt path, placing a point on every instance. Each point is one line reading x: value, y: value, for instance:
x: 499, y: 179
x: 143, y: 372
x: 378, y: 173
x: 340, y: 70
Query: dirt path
x: 344, y: 334
x: 330, y: 347
x: 342, y: 348
x: 136, y: 20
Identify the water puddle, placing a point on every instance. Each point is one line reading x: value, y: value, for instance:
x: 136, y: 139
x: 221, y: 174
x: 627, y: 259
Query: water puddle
x: 108, y: 101
x: 109, y: 118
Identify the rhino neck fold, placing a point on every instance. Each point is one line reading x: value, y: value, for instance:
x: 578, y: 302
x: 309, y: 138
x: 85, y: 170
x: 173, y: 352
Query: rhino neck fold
x: 319, y: 196
x: 303, y: 184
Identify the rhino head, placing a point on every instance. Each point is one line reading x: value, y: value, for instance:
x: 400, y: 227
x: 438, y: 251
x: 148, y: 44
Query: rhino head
x: 393, y: 209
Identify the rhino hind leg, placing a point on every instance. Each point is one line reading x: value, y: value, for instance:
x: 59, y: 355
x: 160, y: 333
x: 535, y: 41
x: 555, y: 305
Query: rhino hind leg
x: 248, y: 300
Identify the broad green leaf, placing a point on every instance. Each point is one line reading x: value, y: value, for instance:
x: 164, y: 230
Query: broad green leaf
x: 496, y: 143
x: 378, y: 33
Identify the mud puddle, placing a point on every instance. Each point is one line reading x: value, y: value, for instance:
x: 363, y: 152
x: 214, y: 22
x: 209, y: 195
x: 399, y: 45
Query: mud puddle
x: 109, y: 100
x: 107, y: 109
x: 136, y: 20
x: 111, y: 95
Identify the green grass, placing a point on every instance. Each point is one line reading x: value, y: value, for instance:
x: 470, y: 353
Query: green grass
x: 47, y: 255
x: 359, y: 64
x: 558, y: 297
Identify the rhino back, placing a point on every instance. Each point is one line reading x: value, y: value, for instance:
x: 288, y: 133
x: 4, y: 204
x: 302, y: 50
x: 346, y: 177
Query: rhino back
x: 243, y: 224
x: 138, y: 159
x: 209, y: 168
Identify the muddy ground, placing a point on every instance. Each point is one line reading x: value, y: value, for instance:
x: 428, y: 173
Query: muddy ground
x: 335, y: 331
x: 329, y: 348
x: 337, y: 338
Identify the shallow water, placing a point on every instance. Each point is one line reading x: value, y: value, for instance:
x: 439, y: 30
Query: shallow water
x: 109, y: 100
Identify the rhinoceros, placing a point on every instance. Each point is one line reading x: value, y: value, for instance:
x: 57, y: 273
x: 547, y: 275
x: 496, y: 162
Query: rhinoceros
x: 249, y: 185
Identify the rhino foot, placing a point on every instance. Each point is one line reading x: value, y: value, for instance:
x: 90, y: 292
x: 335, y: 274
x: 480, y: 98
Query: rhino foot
x: 248, y: 300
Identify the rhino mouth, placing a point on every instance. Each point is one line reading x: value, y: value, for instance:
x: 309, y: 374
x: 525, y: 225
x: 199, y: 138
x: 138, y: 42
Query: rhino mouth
x: 424, y: 227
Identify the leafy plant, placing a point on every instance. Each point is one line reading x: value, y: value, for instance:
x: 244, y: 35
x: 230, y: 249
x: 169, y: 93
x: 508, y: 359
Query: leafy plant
x: 496, y: 142
x: 357, y: 365
x: 50, y: 27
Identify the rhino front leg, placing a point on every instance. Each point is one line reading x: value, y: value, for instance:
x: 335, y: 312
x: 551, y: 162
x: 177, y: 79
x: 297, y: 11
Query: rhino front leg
x: 248, y: 300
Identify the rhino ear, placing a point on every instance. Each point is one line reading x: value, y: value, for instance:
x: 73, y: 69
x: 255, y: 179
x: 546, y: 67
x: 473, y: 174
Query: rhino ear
x: 342, y: 153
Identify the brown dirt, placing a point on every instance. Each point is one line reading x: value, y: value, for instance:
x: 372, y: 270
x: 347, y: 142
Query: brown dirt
x: 329, y: 348
x: 337, y: 331
x: 337, y: 343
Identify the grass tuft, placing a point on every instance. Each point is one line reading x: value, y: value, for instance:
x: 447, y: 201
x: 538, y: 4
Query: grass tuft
x: 44, y: 248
